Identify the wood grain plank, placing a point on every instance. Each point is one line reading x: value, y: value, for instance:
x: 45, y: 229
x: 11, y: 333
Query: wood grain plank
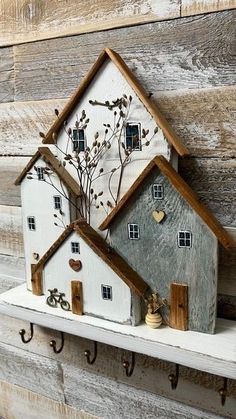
x: 23, y: 21
x: 11, y: 236
x: 10, y: 167
x: 132, y: 398
x: 165, y: 56
x: 195, y: 7
x: 214, y: 181
x: 150, y: 375
x: 12, y: 272
x: 203, y: 118
x: 37, y: 373
x: 227, y: 270
x: 21, y: 123
x: 6, y: 75
x: 16, y: 400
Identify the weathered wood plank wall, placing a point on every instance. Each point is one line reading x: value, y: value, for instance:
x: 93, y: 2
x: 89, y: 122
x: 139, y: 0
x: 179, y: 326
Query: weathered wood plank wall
x: 187, y: 63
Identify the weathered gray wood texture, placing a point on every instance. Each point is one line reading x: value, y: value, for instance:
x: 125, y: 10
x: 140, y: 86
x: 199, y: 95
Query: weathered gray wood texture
x: 188, y: 65
x: 165, y: 57
x: 6, y: 75
x: 208, y: 114
x: 22, y: 21
x: 158, y: 244
x: 103, y: 389
x: 17, y: 401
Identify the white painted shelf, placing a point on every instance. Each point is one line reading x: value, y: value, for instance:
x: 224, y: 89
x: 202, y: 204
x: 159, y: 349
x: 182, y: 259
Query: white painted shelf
x: 215, y: 354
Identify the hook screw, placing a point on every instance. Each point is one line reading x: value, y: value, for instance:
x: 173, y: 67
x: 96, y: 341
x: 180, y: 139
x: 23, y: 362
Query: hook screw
x: 87, y: 354
x: 53, y: 344
x: 22, y: 333
x: 223, y: 392
x: 174, y: 378
x: 129, y: 367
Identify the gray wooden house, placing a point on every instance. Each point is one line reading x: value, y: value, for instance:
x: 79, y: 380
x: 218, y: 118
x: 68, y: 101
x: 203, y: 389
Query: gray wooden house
x: 161, y: 229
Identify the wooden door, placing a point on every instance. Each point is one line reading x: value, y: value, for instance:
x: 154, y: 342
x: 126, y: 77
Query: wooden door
x: 179, y: 306
x: 36, y: 280
x: 77, y: 297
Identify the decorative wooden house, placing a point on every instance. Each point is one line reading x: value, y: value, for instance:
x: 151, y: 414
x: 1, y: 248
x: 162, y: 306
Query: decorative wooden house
x: 110, y: 105
x: 162, y: 240
x: 49, y: 197
x: 162, y: 230
x: 93, y: 277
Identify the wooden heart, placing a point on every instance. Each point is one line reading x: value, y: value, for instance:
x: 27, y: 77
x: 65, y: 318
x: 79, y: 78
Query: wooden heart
x: 158, y: 216
x: 76, y: 265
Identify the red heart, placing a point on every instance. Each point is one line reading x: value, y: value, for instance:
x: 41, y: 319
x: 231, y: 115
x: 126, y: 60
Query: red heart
x: 76, y: 265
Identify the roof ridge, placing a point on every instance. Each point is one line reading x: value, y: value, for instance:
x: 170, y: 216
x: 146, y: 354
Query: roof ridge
x: 184, y: 190
x: 102, y: 249
x: 152, y: 108
x: 61, y: 171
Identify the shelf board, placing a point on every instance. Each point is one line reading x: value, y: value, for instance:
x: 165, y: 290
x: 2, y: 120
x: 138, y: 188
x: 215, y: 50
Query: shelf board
x: 215, y: 354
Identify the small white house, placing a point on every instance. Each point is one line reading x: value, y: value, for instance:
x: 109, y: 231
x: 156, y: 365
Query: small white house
x: 49, y: 197
x: 108, y: 80
x: 107, y: 287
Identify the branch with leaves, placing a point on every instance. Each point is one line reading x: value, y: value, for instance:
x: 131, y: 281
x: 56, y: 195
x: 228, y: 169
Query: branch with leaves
x: 88, y: 163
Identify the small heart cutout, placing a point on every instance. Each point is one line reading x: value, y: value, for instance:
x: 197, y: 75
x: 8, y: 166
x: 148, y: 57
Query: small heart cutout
x: 158, y: 216
x: 76, y: 265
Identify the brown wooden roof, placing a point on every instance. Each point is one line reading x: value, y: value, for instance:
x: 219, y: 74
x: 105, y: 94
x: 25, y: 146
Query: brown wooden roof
x: 60, y: 170
x: 103, y: 250
x: 107, y: 53
x: 187, y: 193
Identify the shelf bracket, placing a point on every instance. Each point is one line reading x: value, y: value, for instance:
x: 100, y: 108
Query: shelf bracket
x: 174, y: 378
x: 223, y: 392
x: 22, y: 333
x: 129, y: 367
x: 87, y: 354
x: 53, y: 344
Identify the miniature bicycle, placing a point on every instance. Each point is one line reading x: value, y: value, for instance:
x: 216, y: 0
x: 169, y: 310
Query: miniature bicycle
x: 56, y: 298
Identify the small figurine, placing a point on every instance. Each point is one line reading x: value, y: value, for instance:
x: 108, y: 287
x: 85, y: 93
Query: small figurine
x: 153, y: 318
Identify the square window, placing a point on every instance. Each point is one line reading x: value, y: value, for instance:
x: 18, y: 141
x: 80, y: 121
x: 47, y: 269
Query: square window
x: 133, y: 137
x: 133, y: 231
x: 57, y: 202
x: 184, y: 239
x: 157, y: 191
x: 40, y: 173
x: 78, y: 140
x: 31, y: 223
x: 106, y: 292
x: 75, y: 247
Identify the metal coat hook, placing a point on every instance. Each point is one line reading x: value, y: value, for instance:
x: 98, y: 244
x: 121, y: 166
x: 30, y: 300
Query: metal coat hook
x: 129, y: 367
x: 87, y: 354
x: 22, y: 333
x: 53, y: 344
x: 223, y: 392
x: 174, y: 378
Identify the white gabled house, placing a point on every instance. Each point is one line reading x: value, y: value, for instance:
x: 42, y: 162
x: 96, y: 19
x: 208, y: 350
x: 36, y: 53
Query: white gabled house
x: 108, y: 80
x: 41, y: 202
x: 108, y: 287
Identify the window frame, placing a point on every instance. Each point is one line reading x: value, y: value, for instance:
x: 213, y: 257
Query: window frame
x: 40, y: 172
x: 78, y: 140
x: 184, y: 239
x: 160, y: 190
x: 55, y: 204
x: 30, y: 223
x: 74, y: 245
x: 104, y: 289
x: 138, y: 124
x: 132, y: 232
